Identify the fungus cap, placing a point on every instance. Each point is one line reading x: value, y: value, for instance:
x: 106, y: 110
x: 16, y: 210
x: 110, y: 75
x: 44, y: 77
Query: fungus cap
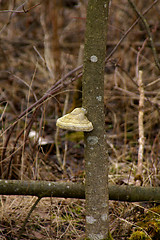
x: 76, y: 121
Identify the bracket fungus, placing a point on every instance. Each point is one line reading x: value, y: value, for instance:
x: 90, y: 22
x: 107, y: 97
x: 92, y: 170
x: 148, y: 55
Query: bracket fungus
x: 76, y: 121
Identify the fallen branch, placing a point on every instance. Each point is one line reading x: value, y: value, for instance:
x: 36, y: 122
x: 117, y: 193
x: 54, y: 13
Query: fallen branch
x: 76, y: 190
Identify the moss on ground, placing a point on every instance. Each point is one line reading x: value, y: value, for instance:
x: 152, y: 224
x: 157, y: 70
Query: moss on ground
x: 150, y: 223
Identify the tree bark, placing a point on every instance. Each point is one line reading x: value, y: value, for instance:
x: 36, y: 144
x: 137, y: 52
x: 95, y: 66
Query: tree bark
x: 42, y: 189
x: 96, y: 165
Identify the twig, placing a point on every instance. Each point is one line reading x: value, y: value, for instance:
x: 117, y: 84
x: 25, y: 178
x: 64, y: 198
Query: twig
x: 54, y: 89
x: 66, y: 144
x: 26, y: 219
x: 48, y: 59
x: 12, y: 13
x: 154, y: 159
x: 27, y: 129
x: 129, y: 30
x: 26, y: 132
x: 148, y: 32
x: 22, y: 11
x: 58, y: 155
x: 141, y: 140
x: 138, y: 56
x: 141, y: 126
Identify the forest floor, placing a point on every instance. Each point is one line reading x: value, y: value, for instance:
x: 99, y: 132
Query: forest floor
x: 40, y: 44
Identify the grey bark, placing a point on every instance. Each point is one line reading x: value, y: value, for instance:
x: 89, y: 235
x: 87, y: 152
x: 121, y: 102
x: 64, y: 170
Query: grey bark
x: 96, y: 165
x: 76, y: 190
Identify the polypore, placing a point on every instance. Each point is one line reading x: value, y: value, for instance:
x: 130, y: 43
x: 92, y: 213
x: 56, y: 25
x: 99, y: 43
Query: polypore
x: 76, y: 121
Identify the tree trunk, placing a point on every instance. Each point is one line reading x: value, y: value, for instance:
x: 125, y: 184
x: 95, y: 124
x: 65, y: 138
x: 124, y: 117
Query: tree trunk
x: 96, y: 165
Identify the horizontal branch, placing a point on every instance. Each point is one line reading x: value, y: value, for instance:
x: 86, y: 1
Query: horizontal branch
x: 76, y: 190
x: 42, y: 188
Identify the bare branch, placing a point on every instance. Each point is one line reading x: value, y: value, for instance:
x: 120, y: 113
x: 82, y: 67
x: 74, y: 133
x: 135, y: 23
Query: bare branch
x: 21, y: 11
x: 76, y: 190
x: 148, y: 32
x: 129, y: 30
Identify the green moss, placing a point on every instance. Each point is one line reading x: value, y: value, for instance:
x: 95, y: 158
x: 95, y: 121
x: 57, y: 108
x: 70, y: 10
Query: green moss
x: 150, y: 223
x: 138, y: 235
x: 110, y: 237
x: 75, y: 136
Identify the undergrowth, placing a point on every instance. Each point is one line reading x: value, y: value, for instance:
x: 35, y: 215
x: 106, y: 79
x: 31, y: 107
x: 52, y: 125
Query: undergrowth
x: 33, y: 58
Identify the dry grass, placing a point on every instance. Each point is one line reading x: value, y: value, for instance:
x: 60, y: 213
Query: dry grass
x: 52, y: 218
x: 29, y: 55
